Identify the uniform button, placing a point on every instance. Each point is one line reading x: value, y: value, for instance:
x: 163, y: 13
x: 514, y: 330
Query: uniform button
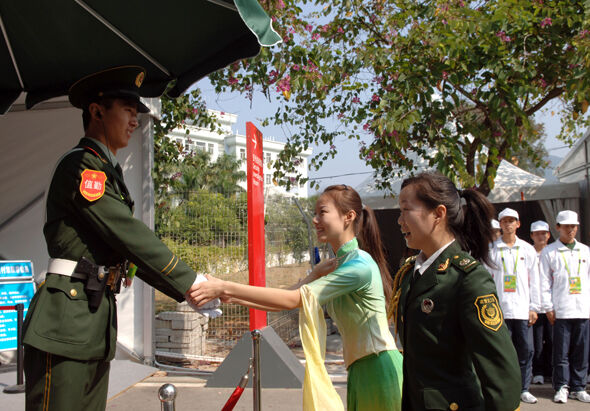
x: 73, y: 292
x: 454, y: 406
x: 100, y: 276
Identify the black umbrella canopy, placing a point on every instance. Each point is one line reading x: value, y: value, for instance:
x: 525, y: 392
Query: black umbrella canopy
x: 47, y: 45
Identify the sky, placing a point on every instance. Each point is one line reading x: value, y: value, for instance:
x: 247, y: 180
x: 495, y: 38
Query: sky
x: 346, y: 167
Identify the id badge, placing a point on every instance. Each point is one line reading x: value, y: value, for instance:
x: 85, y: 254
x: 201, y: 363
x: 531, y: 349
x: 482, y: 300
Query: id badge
x: 575, y: 285
x: 509, y: 283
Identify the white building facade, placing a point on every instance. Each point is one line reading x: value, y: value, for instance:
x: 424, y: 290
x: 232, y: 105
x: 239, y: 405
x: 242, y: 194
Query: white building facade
x: 230, y: 142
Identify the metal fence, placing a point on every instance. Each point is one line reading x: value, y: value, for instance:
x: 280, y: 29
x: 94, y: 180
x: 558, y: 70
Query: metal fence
x: 209, y: 232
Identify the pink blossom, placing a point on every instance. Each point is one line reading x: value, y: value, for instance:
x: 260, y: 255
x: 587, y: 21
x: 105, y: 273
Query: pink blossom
x: 340, y: 116
x: 325, y: 28
x: 584, y: 33
x: 292, y: 180
x: 315, y: 36
x: 366, y: 126
x: 503, y: 36
x: 445, y: 75
x: 370, y: 155
x: 356, y: 100
x: 309, y: 28
x: 295, y: 67
x: 272, y: 76
x: 444, y: 21
x: 291, y: 30
x: 332, y: 147
x: 284, y: 84
x: 280, y: 4
x: 375, y: 98
x: 340, y: 30
x: 232, y: 81
x: 546, y: 22
x: 461, y: 3
x: 378, y: 79
x: 542, y: 82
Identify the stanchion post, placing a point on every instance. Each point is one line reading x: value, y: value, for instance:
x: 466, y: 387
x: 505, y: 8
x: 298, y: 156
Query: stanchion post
x: 167, y: 396
x: 256, y: 335
x: 20, y: 357
x: 20, y: 386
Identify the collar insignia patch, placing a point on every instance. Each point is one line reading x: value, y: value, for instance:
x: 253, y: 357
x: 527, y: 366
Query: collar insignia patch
x: 444, y: 266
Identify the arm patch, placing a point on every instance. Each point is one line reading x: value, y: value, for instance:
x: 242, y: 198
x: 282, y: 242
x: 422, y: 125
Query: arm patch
x: 488, y: 311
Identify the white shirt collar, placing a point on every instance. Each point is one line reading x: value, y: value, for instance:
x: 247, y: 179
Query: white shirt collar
x: 421, y: 266
x: 501, y: 244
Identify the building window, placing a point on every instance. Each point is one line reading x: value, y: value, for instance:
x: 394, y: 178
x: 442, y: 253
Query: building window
x: 210, y: 148
x: 201, y: 146
x: 267, y: 158
x: 242, y: 153
x: 267, y: 179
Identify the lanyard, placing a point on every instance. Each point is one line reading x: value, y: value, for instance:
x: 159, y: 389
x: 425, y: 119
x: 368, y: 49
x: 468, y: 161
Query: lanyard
x: 569, y: 274
x: 515, y: 260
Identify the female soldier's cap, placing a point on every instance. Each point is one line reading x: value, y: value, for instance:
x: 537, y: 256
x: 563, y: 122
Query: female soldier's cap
x: 118, y: 82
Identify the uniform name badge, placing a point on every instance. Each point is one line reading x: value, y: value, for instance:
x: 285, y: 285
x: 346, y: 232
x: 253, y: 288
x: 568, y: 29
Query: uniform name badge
x: 509, y: 283
x: 575, y: 285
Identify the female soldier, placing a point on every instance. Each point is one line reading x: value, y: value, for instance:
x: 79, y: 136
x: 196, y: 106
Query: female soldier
x: 457, y: 350
x: 353, y: 293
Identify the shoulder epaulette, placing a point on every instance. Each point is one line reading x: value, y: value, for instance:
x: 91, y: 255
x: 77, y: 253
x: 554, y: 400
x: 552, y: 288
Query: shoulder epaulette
x: 464, y: 262
x: 410, y: 260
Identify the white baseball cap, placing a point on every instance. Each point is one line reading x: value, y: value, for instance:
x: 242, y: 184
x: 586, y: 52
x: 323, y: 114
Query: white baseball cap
x: 567, y: 217
x: 495, y: 224
x: 539, y: 226
x: 508, y: 212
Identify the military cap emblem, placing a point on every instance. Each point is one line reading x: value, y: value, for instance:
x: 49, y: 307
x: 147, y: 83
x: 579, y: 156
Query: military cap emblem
x: 427, y: 305
x: 139, y: 79
x: 444, y: 266
x: 488, y: 311
x: 464, y: 262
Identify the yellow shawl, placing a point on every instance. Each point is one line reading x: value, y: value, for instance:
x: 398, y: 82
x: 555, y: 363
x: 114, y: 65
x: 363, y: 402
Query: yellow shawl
x: 318, y: 392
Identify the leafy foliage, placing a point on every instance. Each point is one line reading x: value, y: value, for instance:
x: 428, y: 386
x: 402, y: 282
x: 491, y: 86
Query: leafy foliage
x: 463, y: 77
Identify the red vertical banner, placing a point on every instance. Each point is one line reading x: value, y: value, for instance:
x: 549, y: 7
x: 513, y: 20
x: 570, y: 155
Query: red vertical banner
x: 256, y: 265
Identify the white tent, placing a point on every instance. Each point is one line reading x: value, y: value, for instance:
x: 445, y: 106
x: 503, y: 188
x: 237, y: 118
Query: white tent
x: 32, y: 142
x: 512, y: 184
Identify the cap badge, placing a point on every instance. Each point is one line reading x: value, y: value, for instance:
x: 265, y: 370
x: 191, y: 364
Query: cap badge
x: 427, y: 305
x: 139, y: 79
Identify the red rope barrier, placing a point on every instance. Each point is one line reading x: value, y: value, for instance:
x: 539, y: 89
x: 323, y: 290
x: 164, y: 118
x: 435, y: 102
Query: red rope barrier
x: 7, y: 307
x: 235, y: 396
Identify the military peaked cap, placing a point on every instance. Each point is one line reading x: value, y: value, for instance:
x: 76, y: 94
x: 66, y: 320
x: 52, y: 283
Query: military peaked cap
x: 119, y: 82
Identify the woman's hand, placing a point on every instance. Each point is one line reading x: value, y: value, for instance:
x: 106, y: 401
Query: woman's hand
x: 324, y: 268
x: 205, y: 291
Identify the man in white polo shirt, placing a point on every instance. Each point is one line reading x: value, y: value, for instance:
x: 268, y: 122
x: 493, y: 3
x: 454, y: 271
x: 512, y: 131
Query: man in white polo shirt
x: 516, y: 277
x: 542, y: 330
x: 565, y: 290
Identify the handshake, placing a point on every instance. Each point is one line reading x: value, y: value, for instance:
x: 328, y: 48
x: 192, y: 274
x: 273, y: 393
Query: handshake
x: 209, y: 307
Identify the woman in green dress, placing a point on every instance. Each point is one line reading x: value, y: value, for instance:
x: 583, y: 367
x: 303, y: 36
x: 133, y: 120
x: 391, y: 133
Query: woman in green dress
x: 353, y: 286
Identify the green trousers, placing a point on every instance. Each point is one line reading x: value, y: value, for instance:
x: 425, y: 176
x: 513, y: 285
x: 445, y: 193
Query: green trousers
x: 375, y: 382
x: 55, y: 383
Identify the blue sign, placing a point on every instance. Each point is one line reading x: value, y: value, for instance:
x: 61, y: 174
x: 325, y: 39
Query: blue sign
x: 16, y: 287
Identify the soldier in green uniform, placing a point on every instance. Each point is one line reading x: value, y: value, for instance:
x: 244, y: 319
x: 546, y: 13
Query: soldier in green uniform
x: 457, y: 350
x: 70, y: 331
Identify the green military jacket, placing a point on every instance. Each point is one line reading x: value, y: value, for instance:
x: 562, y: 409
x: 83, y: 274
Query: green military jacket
x: 457, y: 350
x: 104, y: 230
